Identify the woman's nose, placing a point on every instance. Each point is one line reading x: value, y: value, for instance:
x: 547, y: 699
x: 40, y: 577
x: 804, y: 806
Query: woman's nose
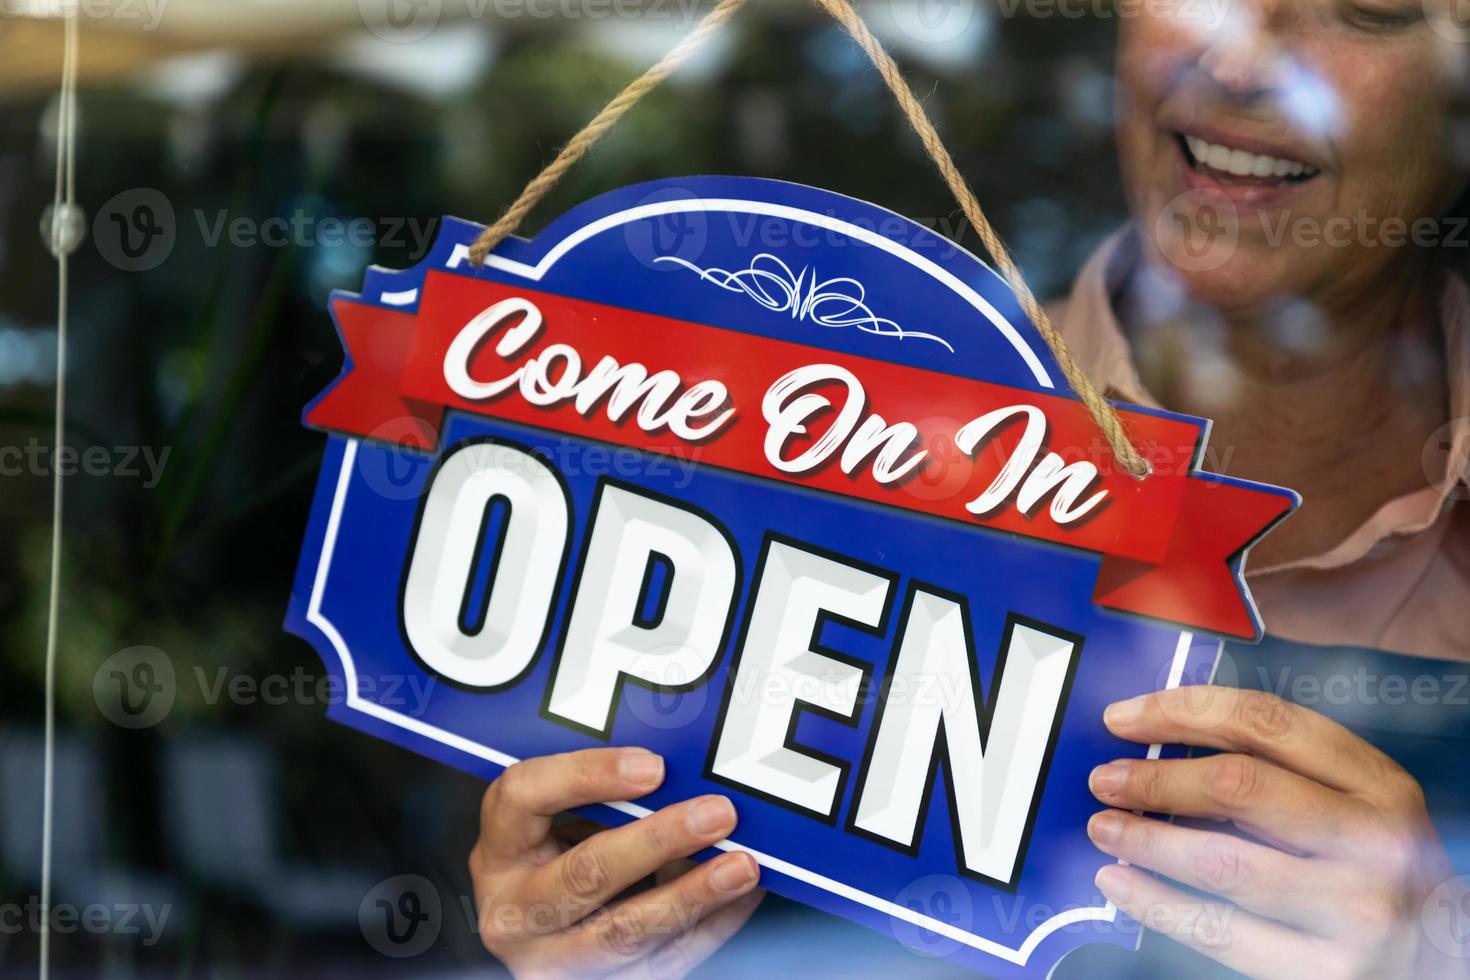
x: 1242, y: 56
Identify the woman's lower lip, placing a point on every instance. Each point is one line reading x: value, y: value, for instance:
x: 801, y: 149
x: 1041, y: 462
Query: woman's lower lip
x: 1269, y: 197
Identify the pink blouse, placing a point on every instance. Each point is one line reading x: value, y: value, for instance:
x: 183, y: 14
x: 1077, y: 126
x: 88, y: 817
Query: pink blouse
x: 1401, y: 581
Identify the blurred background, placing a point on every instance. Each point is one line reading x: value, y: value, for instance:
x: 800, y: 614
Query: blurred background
x: 239, y: 159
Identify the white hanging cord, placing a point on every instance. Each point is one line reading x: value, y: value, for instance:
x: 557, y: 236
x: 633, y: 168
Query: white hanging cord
x: 62, y: 230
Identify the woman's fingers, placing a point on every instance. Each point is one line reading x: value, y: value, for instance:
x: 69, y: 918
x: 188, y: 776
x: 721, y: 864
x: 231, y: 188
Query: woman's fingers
x: 672, y: 870
x: 1227, y: 934
x: 602, y: 866
x: 1259, y: 879
x: 1275, y: 805
x: 1258, y: 724
x: 680, y: 955
x: 515, y: 816
x: 563, y: 913
x: 635, y: 928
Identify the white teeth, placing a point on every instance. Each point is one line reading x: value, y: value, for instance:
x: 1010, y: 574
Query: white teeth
x: 1219, y: 157
x: 1241, y: 163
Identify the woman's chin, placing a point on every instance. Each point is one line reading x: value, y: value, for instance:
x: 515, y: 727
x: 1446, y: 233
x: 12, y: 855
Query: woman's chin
x: 1238, y: 286
x: 1229, y: 294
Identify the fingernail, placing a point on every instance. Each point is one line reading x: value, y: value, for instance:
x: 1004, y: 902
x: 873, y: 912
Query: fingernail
x: 711, y: 816
x: 1122, y: 712
x: 1105, y: 827
x: 733, y: 874
x: 1112, y: 881
x: 641, y: 768
x: 1107, y: 780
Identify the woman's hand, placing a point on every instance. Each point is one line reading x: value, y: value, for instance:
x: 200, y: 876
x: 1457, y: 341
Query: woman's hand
x: 1340, y: 857
x: 549, y: 910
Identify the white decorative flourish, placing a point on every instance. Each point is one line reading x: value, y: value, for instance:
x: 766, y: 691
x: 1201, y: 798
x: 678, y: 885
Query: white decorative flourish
x: 832, y: 303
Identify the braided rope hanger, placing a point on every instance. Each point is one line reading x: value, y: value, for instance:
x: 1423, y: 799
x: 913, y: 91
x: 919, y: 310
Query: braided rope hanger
x: 842, y: 11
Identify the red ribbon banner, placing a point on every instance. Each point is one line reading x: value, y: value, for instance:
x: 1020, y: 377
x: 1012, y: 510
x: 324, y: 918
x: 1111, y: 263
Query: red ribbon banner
x: 1166, y: 541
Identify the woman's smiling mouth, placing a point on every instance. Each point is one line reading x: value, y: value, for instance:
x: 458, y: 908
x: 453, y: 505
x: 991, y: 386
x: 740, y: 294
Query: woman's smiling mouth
x: 1232, y: 165
x: 1249, y: 175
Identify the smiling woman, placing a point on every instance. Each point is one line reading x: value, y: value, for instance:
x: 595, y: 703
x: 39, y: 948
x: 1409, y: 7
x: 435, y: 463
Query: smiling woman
x: 1349, y: 106
x: 1292, y: 271
x: 1261, y: 301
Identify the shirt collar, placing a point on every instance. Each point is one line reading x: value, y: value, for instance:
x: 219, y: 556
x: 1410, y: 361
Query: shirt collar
x: 1089, y: 322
